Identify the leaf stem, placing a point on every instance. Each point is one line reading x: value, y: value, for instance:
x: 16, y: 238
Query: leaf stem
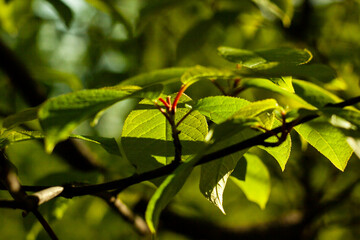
x: 178, y: 96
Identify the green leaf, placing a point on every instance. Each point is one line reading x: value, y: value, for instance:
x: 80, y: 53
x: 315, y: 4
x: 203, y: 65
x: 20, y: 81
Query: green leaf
x: 256, y: 185
x: 280, y: 153
x: 13, y: 136
x: 253, y: 59
x: 317, y: 72
x: 109, y: 144
x: 63, y: 10
x: 267, y: 119
x: 348, y: 121
x: 167, y: 191
x: 219, y: 108
x: 154, y: 77
x: 268, y: 85
x: 9, y: 137
x: 202, y: 73
x: 147, y: 136
x: 59, y: 116
x: 255, y: 108
x: 285, y: 83
x: 214, y: 175
x: 314, y: 94
x: 328, y: 140
x: 28, y: 114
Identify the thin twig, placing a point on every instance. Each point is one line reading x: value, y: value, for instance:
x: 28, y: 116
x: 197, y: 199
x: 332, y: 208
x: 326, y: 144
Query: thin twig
x: 45, y: 224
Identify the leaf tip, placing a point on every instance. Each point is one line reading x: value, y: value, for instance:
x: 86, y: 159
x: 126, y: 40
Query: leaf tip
x: 49, y: 146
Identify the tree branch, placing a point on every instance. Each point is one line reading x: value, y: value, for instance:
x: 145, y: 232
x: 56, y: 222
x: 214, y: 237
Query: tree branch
x: 29, y: 204
x: 119, y: 185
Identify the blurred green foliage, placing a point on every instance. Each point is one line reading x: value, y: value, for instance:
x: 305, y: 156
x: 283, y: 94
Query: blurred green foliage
x: 72, y: 45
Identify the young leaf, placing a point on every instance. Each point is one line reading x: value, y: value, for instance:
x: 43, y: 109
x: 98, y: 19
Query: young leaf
x: 328, y: 140
x: 256, y: 185
x: 59, y: 116
x: 147, y: 136
x: 253, y: 59
x: 202, y: 73
x: 20, y: 117
x: 268, y: 85
x: 219, y: 108
x: 63, y: 10
x: 154, y: 77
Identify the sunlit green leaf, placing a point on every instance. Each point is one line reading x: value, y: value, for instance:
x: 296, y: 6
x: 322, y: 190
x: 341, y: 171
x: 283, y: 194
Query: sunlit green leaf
x: 328, y: 140
x: 59, y: 116
x: 252, y: 176
x: 219, y: 108
x: 285, y: 83
x: 147, y: 136
x: 255, y: 108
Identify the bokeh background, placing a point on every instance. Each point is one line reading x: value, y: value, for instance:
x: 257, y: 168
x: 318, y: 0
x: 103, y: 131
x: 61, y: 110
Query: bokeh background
x: 71, y: 45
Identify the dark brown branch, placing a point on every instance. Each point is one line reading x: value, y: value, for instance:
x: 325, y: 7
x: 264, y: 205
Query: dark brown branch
x: 29, y: 203
x: 121, y: 184
x: 45, y: 224
x: 11, y: 204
